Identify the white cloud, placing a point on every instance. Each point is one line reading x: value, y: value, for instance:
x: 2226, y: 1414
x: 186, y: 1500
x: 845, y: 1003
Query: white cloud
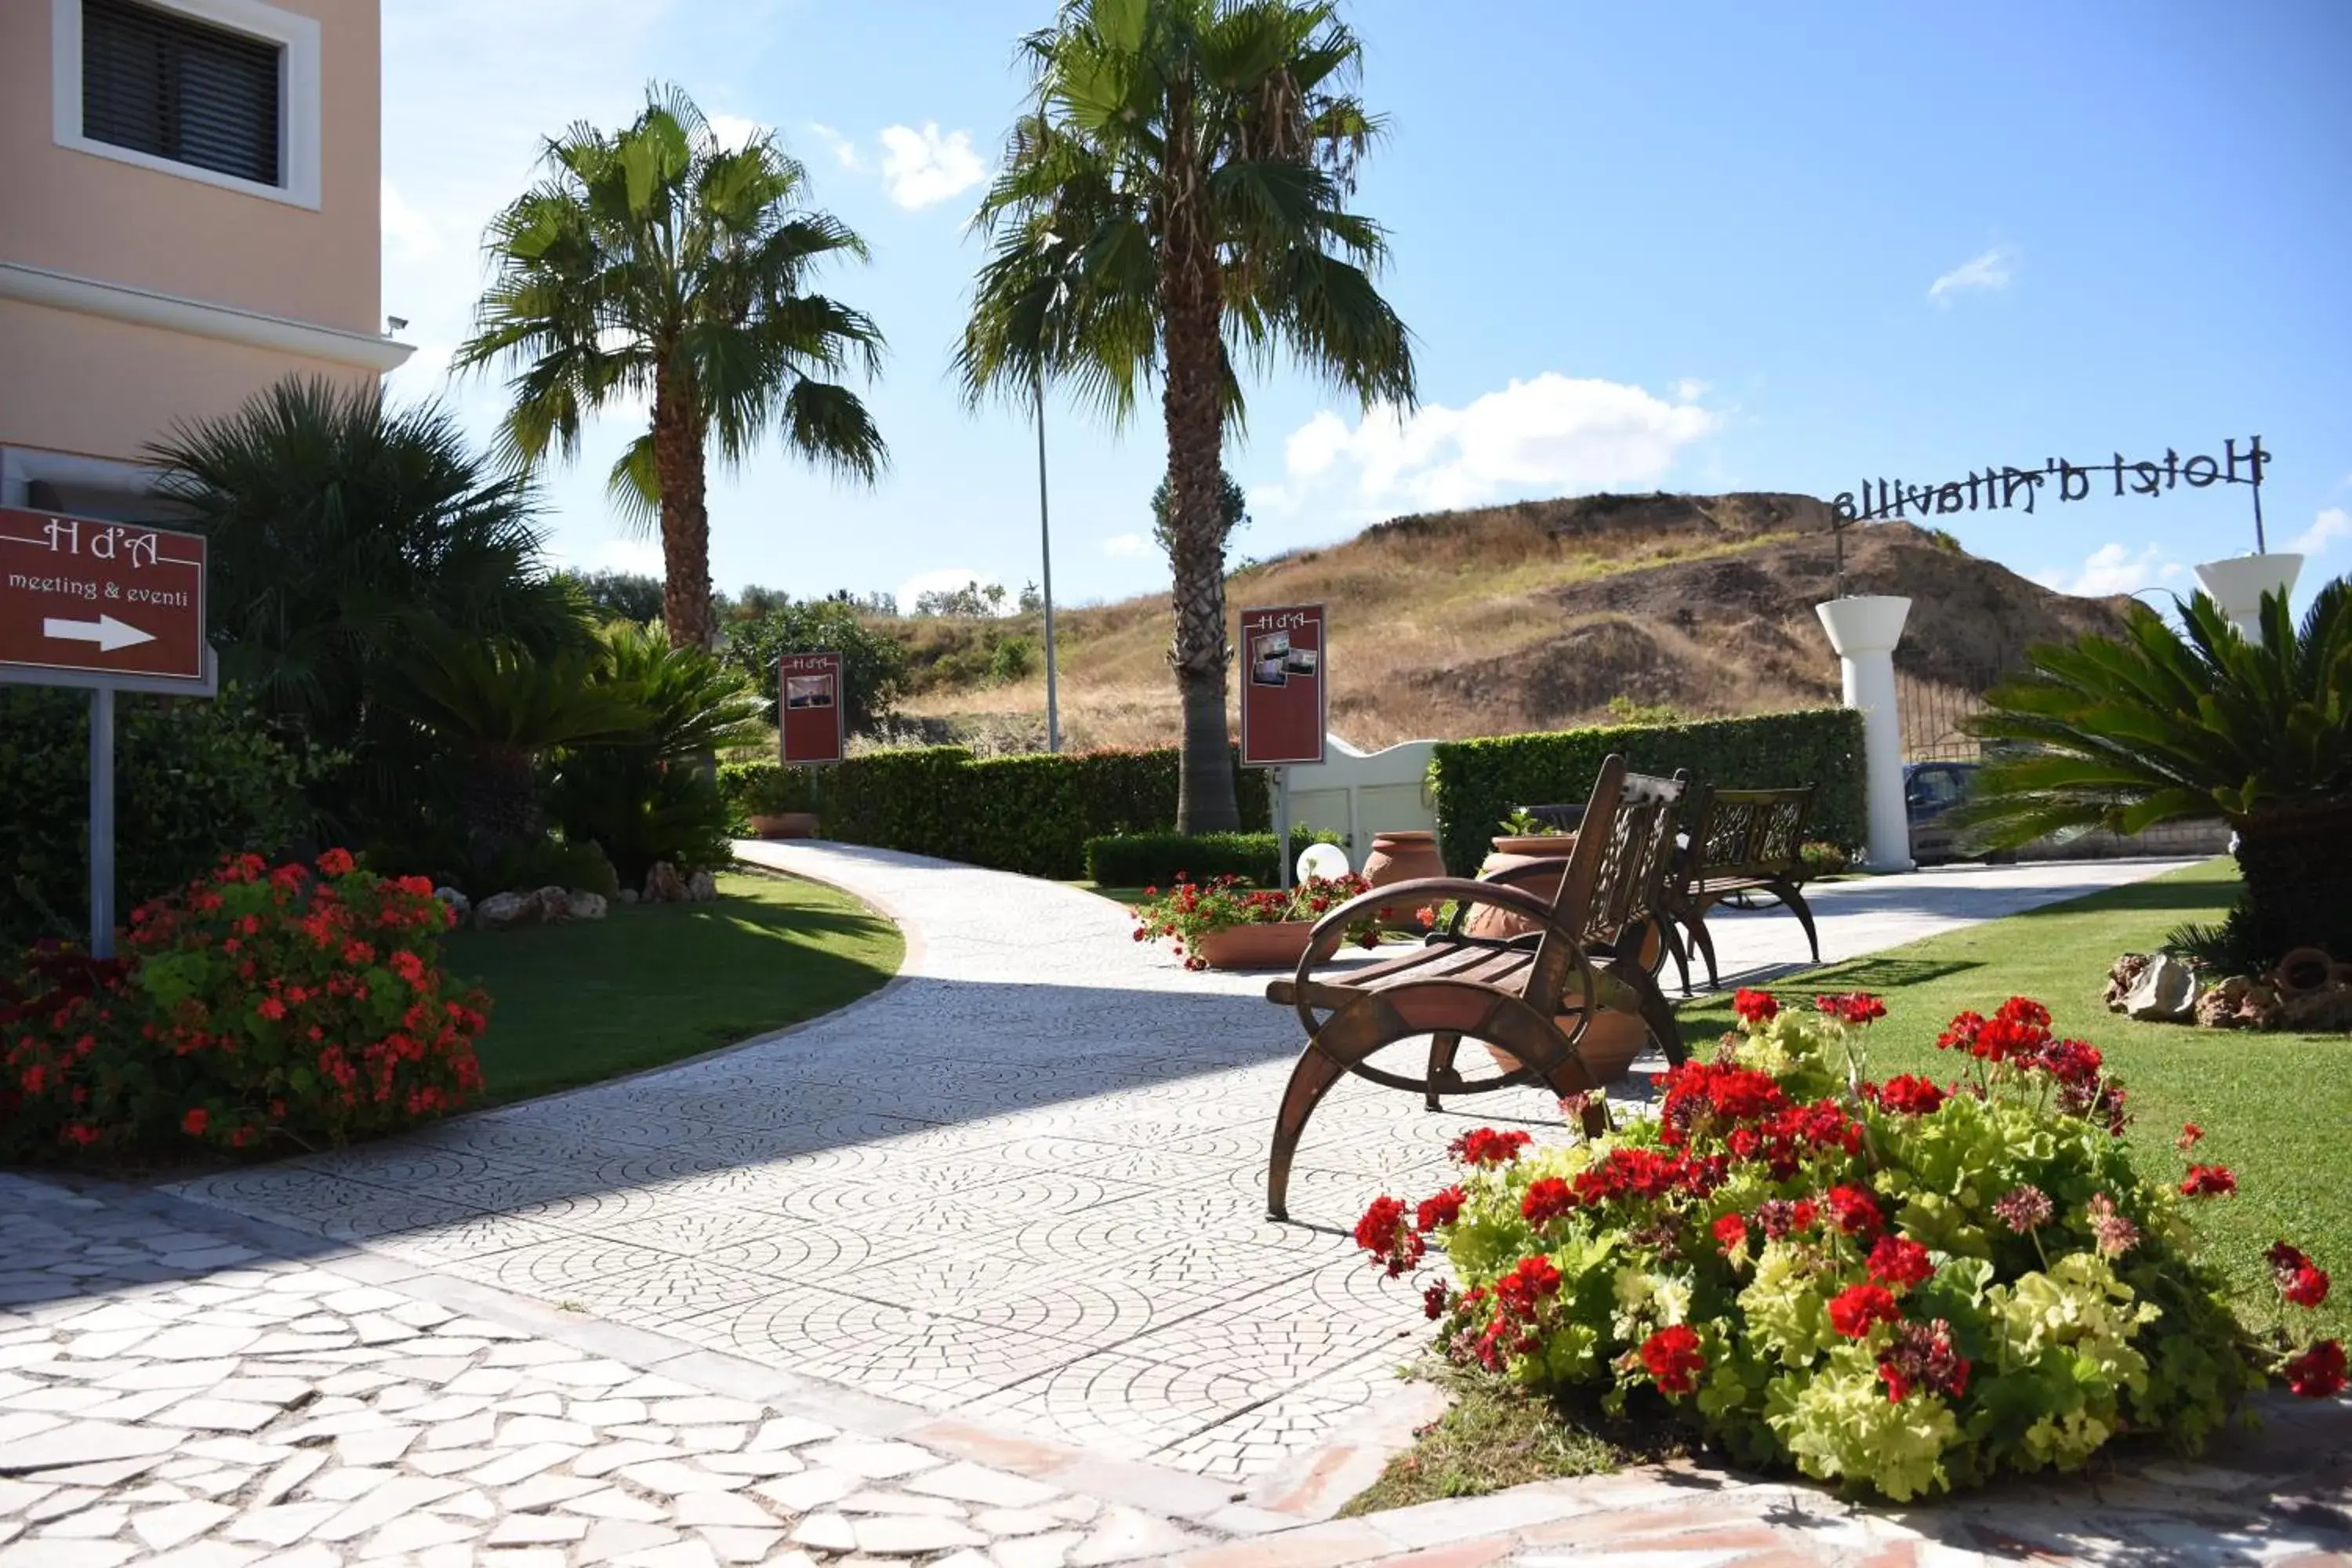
x: 1689, y: 390
x: 1554, y: 435
x: 2331, y: 525
x: 412, y: 233
x: 734, y: 130
x: 2114, y: 569
x: 1989, y: 272
x: 844, y: 151
x: 921, y: 167
x: 1126, y: 546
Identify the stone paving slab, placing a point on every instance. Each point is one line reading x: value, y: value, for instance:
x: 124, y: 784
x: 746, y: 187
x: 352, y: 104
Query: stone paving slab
x: 1024, y: 1182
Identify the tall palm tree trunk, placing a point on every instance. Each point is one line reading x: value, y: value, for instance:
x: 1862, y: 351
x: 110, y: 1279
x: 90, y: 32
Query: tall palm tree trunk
x: 1192, y: 402
x: 685, y: 516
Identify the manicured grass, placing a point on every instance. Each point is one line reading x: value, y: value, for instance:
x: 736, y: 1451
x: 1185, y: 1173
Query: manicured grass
x: 2275, y: 1107
x: 652, y: 983
x: 1131, y: 896
x: 1492, y: 1437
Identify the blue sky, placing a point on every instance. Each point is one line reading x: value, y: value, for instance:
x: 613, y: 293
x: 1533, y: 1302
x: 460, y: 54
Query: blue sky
x: 1704, y: 246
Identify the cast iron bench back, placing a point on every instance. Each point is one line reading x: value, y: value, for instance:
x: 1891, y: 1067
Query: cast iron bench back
x: 1740, y: 834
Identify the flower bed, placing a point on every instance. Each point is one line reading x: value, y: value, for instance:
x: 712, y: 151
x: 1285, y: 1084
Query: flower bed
x: 1901, y: 1284
x: 257, y: 1005
x: 1189, y: 911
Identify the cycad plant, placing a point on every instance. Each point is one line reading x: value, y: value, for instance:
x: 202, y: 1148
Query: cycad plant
x: 659, y: 264
x: 1177, y: 203
x: 2199, y: 721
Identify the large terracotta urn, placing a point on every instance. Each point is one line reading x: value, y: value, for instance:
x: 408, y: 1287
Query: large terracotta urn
x: 1534, y: 864
x: 1276, y: 945
x: 1401, y: 856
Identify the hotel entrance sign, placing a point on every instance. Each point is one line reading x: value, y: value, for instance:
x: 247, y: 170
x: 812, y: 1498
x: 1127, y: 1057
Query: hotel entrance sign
x: 87, y: 603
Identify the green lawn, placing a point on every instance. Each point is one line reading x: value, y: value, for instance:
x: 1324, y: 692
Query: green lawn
x: 652, y: 983
x: 2275, y: 1107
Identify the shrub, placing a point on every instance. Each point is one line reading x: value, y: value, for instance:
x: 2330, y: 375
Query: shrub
x: 249, y: 1008
x: 1028, y: 813
x: 1158, y: 859
x: 1013, y: 658
x: 638, y: 808
x: 1890, y: 1284
x: 190, y: 780
x: 1822, y: 858
x: 1476, y: 783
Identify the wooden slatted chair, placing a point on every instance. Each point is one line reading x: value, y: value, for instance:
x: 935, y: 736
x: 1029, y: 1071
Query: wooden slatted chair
x: 1534, y: 996
x: 1743, y: 842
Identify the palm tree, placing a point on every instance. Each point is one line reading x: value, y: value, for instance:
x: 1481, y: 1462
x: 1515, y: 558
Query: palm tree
x: 2160, y: 725
x: 1175, y: 201
x: 656, y: 263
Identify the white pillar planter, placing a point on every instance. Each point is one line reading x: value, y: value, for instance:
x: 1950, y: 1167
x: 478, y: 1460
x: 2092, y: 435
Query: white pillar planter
x: 1864, y: 630
x: 2237, y: 585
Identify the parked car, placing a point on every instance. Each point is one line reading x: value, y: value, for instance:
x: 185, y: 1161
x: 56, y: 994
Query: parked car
x: 1931, y: 793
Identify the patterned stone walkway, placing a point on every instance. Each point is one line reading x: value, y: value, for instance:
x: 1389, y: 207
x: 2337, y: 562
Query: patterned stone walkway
x: 1023, y: 1184
x: 209, y: 1393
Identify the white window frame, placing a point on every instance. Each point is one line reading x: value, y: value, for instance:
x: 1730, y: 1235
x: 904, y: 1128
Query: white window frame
x: 296, y: 38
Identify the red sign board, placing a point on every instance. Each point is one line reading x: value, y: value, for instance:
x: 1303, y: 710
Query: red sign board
x: 1284, y: 683
x: 100, y: 598
x: 809, y: 707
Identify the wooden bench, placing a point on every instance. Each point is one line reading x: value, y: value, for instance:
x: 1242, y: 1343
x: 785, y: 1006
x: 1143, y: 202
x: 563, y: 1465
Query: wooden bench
x: 1534, y: 996
x: 1742, y: 842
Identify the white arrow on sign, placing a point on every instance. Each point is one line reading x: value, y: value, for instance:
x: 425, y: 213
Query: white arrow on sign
x: 107, y: 632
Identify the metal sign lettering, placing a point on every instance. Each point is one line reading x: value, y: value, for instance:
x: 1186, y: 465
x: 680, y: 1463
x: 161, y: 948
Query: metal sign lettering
x: 1995, y: 490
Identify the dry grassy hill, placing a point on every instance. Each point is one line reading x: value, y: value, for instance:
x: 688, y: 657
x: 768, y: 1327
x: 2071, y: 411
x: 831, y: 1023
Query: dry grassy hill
x: 1536, y: 616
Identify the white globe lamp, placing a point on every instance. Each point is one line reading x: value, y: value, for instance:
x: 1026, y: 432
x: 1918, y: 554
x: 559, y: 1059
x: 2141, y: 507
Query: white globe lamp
x: 1326, y: 861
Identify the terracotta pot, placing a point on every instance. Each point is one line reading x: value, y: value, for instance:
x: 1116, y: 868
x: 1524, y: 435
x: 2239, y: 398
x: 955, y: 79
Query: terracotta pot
x: 1537, y: 873
x: 1277, y: 945
x: 1533, y: 845
x: 785, y: 825
x: 1607, y: 1049
x: 1403, y: 857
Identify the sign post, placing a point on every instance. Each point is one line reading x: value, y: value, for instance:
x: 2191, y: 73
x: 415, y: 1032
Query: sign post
x: 1284, y: 703
x: 810, y: 725
x: 109, y: 607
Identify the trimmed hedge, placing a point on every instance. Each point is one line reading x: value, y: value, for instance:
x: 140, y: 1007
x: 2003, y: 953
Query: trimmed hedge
x: 1154, y: 859
x: 1477, y: 783
x: 1032, y: 814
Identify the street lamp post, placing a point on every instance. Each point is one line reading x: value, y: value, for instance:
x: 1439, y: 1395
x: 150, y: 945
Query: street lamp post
x: 1046, y: 549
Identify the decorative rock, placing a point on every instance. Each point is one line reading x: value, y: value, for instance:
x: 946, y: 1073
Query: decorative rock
x: 2164, y: 993
x: 586, y: 906
x: 2123, y: 977
x: 702, y: 888
x: 554, y: 905
x: 506, y: 912
x: 458, y: 901
x: 2239, y: 1002
x: 663, y: 884
x: 628, y: 895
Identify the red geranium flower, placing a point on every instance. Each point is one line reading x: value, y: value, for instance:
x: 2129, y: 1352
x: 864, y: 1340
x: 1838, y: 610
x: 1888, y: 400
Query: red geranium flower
x: 1856, y: 1212
x: 336, y: 863
x: 1910, y: 1096
x: 2317, y: 1372
x: 1755, y: 1006
x: 1731, y: 1232
x: 2207, y: 1181
x: 2300, y: 1280
x: 1853, y: 1310
x: 1674, y: 1359
x: 194, y: 1122
x: 1384, y: 1233
x: 1899, y: 1262
x: 1525, y: 1287
x: 1547, y: 1198
x: 1860, y: 1007
x: 2189, y: 1134
x: 1486, y: 1146
x: 1441, y: 1208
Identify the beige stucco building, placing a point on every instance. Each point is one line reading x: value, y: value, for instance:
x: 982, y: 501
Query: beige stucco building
x: 189, y: 195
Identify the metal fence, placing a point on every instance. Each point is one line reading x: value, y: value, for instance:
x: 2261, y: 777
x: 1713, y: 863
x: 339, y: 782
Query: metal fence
x: 1934, y: 709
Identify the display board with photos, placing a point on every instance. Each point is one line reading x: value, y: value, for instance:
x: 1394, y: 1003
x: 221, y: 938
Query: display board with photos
x: 1284, y: 686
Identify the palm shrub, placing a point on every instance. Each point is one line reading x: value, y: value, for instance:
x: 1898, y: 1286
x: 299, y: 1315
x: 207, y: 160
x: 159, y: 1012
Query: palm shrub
x: 1175, y: 201
x: 2198, y: 721
x: 643, y: 795
x: 656, y: 263
x: 341, y: 529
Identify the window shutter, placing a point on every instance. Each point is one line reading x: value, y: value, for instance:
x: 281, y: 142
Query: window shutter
x: 175, y: 88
